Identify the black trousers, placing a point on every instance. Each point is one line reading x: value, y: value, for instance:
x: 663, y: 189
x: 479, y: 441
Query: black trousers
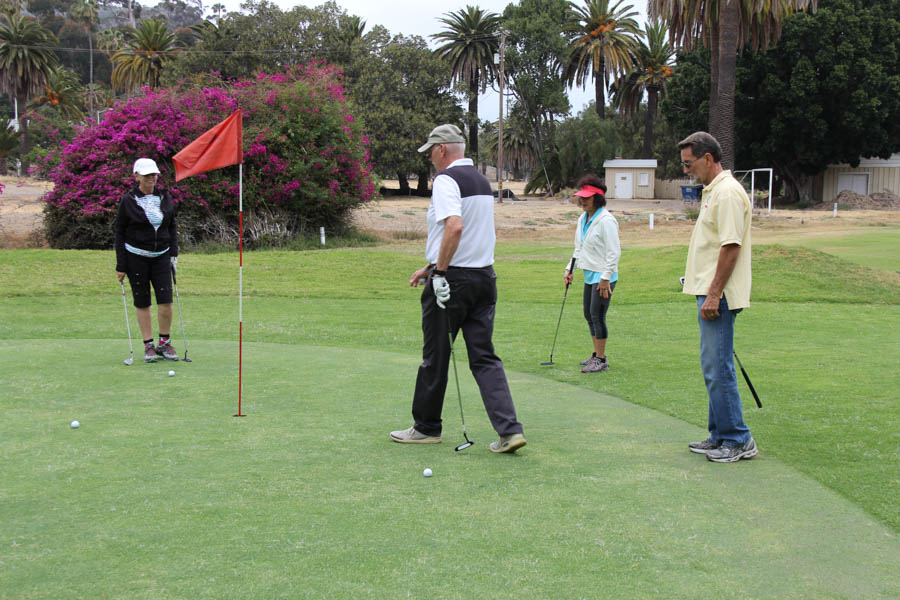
x: 473, y: 296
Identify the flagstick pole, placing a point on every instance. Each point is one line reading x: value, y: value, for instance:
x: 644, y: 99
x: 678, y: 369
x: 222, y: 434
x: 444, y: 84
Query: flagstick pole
x: 240, y: 283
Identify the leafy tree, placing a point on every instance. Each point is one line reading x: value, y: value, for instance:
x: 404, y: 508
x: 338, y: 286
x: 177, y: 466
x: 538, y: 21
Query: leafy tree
x: 603, y: 38
x: 470, y: 41
x: 85, y: 11
x: 535, y: 53
x: 26, y: 63
x: 725, y: 27
x: 9, y: 143
x: 652, y: 68
x: 400, y: 95
x: 62, y: 93
x: 584, y: 142
x: 828, y: 93
x: 147, y: 51
x: 520, y: 153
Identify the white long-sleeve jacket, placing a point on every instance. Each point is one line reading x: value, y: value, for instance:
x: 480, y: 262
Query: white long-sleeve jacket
x: 600, y: 250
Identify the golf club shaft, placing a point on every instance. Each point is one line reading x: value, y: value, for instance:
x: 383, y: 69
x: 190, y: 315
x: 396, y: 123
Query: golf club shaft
x: 558, y: 321
x: 180, y: 316
x: 456, y: 378
x: 127, y: 323
x: 747, y: 379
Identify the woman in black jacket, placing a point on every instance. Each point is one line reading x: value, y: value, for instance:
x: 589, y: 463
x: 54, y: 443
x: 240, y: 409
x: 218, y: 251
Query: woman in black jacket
x: 147, y: 251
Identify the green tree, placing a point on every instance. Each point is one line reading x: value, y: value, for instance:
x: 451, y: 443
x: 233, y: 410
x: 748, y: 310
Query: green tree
x: 828, y: 93
x: 63, y: 94
x: 147, y: 51
x: 401, y: 94
x: 9, y: 142
x: 603, y: 39
x: 470, y: 41
x: 535, y: 52
x: 652, y: 68
x: 85, y: 11
x: 725, y: 27
x: 584, y: 143
x: 26, y: 63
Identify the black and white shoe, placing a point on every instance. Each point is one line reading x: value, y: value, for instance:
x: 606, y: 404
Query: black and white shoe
x: 733, y: 453
x: 704, y: 446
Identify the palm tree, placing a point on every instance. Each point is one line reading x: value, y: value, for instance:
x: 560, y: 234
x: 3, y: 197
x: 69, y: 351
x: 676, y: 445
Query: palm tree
x: 470, y: 42
x: 26, y: 63
x: 62, y: 93
x: 652, y: 67
x: 86, y: 12
x: 147, y: 50
x: 602, y: 41
x: 9, y: 141
x: 725, y: 28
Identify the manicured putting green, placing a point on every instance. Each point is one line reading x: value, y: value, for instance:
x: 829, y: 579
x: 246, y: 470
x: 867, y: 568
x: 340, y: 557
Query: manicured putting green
x: 161, y: 493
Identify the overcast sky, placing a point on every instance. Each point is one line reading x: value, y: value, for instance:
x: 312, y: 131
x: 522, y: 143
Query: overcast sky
x: 420, y: 17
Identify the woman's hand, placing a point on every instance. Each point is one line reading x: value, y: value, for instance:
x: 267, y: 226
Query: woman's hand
x: 603, y: 288
x: 568, y: 278
x: 120, y: 276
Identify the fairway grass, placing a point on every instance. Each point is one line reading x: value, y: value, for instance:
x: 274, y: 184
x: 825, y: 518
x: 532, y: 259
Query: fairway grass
x: 163, y: 494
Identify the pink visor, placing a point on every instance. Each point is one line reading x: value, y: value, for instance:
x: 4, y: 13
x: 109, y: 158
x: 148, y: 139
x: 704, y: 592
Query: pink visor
x: 588, y: 191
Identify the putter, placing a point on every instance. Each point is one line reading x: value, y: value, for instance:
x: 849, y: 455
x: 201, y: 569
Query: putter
x: 180, y: 317
x: 468, y: 442
x: 565, y: 293
x: 130, y: 360
x: 747, y: 379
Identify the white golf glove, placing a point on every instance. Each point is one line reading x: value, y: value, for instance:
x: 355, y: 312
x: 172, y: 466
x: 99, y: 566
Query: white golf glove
x: 174, y: 260
x: 441, y: 289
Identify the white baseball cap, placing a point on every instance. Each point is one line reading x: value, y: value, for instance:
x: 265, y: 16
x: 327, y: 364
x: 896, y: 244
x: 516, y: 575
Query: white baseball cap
x: 145, y: 166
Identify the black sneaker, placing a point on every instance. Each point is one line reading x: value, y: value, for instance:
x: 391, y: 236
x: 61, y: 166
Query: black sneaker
x: 704, y: 446
x: 733, y: 453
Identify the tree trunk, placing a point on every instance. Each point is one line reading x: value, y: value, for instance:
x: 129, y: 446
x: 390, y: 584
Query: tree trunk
x: 422, y: 186
x: 798, y: 186
x: 712, y: 124
x: 473, y: 118
x: 131, y: 13
x: 91, y: 72
x: 404, y: 184
x: 652, y: 103
x: 24, y: 141
x: 600, y: 91
x: 729, y: 17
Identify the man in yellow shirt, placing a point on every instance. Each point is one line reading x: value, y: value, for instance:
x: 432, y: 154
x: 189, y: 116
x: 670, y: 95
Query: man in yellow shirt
x: 718, y: 274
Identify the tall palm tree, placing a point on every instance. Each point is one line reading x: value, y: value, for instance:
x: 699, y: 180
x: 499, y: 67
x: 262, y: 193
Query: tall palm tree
x: 26, y: 63
x: 470, y: 42
x: 147, y: 50
x: 725, y: 26
x: 602, y: 40
x: 652, y: 67
x: 86, y: 12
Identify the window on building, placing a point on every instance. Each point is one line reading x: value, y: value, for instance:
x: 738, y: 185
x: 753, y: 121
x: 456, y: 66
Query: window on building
x: 643, y: 179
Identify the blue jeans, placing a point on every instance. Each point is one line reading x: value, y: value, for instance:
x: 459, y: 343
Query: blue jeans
x: 726, y: 416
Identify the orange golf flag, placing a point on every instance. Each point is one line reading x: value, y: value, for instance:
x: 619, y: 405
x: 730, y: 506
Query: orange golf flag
x: 219, y: 147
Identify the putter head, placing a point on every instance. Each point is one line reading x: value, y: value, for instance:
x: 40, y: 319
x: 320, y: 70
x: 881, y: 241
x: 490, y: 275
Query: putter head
x: 549, y: 362
x: 128, y: 361
x: 185, y: 359
x: 464, y: 445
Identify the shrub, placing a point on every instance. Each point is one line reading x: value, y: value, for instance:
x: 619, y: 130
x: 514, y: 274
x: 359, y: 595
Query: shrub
x: 306, y: 161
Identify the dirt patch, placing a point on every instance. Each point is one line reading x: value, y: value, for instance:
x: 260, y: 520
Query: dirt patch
x: 21, y: 212
x: 848, y: 200
x: 529, y: 218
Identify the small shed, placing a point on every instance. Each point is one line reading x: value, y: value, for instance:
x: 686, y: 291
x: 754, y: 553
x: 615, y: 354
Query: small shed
x: 871, y: 176
x: 630, y: 178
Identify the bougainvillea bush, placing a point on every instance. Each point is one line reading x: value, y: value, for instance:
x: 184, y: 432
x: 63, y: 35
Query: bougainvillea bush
x: 306, y: 161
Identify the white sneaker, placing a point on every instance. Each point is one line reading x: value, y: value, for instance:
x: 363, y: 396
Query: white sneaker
x: 412, y: 436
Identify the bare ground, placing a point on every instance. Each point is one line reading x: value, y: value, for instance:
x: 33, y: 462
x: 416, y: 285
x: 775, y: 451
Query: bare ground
x: 529, y: 218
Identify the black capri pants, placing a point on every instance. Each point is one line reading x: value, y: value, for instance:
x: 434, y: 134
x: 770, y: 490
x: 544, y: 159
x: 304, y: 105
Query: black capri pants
x: 595, y: 307
x: 142, y: 271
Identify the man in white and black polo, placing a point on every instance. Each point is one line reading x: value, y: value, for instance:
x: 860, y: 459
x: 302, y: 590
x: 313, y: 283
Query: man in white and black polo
x: 460, y: 293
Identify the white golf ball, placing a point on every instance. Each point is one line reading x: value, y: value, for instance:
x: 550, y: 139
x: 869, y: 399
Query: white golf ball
x: 427, y: 472
x: 171, y: 373
x: 74, y: 424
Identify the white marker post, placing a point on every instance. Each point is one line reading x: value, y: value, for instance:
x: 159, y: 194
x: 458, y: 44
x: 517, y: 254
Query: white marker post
x: 651, y: 220
x: 322, y: 235
x: 835, y: 209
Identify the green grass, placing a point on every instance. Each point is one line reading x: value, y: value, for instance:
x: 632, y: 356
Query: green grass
x: 162, y: 493
x: 877, y: 248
